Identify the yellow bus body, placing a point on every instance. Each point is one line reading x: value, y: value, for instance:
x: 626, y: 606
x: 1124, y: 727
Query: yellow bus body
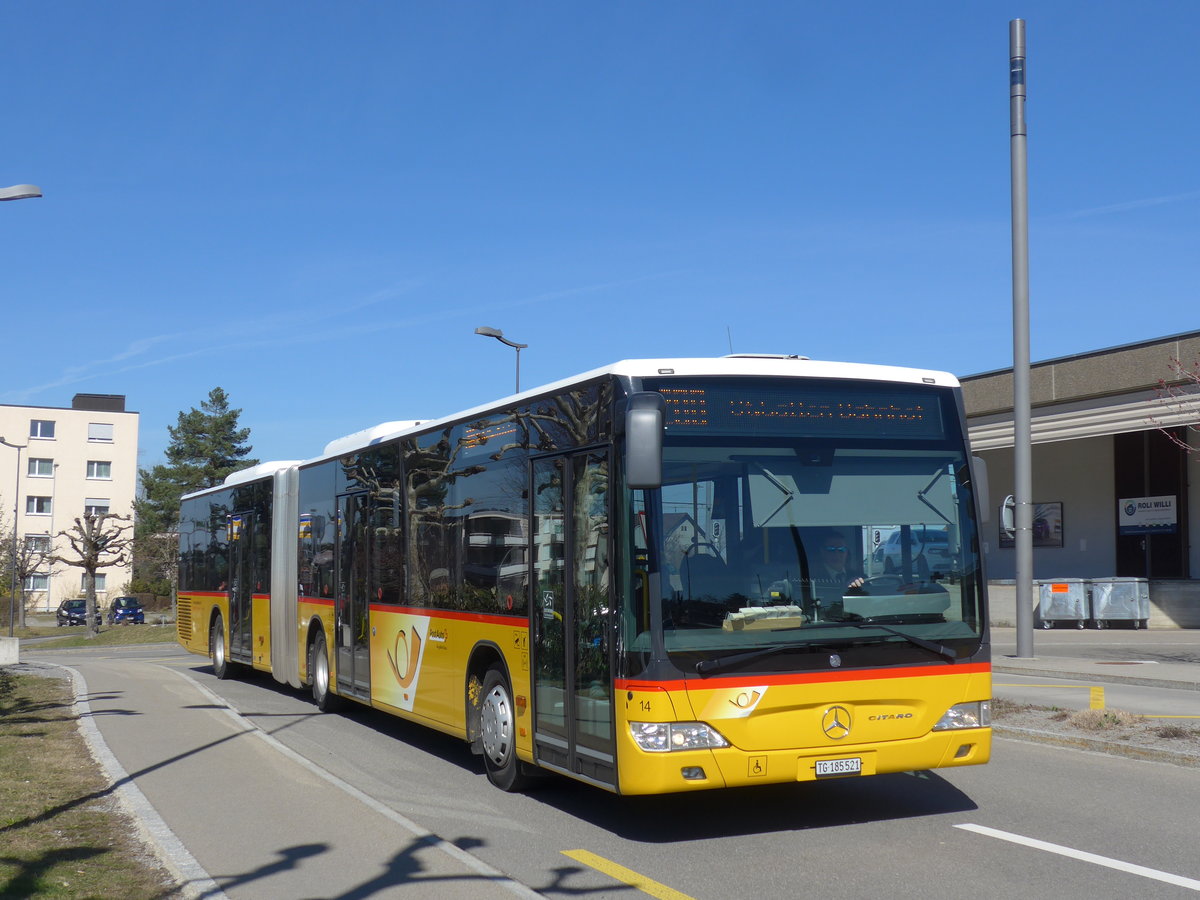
x: 776, y: 724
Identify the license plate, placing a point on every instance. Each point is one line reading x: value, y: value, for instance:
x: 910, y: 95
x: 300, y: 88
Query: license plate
x: 831, y: 767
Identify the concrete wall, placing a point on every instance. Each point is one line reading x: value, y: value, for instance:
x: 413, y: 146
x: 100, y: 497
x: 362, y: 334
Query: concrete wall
x: 1078, y: 474
x: 1173, y: 604
x: 1100, y: 373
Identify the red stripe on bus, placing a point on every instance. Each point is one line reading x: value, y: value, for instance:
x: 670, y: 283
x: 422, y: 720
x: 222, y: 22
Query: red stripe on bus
x: 223, y: 594
x: 486, y: 618
x: 320, y: 601
x: 936, y: 671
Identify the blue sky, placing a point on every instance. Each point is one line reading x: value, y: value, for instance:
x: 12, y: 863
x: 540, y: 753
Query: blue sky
x: 313, y: 205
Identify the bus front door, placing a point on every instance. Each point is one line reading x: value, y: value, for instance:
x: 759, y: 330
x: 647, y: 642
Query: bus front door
x: 351, y: 618
x: 571, y: 616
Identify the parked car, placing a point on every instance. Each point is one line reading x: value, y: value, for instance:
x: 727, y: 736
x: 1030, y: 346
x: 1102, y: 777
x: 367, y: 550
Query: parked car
x: 74, y: 612
x: 126, y: 610
x: 928, y: 549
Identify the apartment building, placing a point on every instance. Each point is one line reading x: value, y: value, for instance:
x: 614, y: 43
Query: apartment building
x: 57, y: 465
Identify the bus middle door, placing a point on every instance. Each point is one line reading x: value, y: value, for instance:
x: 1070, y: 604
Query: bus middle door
x: 241, y: 586
x: 352, y: 616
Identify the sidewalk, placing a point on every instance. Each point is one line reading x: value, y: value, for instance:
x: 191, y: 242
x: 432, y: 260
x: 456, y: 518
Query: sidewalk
x: 236, y: 814
x: 1168, y: 658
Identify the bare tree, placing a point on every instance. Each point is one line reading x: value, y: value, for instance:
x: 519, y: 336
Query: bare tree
x: 32, y: 554
x: 155, y: 562
x: 1179, y: 400
x: 97, y: 542
x: 7, y: 536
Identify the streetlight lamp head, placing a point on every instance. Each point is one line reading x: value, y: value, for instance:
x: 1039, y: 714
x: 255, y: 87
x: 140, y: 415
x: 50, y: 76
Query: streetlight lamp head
x: 20, y: 192
x: 499, y: 335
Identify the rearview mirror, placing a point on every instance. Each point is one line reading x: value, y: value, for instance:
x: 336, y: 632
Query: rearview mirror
x: 644, y: 440
x: 1008, y: 517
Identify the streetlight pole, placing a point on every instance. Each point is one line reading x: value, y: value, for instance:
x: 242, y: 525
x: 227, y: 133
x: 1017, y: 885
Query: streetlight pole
x: 12, y: 598
x: 1022, y: 415
x: 16, y: 192
x: 499, y: 335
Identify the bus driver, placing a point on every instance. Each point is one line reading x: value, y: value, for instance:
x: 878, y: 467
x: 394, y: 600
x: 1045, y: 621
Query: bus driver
x: 832, y: 575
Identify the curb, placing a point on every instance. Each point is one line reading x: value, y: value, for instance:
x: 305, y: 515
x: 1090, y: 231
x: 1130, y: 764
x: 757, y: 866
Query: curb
x: 1112, y: 748
x: 193, y: 881
x: 1098, y: 677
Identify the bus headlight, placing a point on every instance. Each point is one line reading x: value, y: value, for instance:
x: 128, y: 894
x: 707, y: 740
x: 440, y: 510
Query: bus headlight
x: 966, y: 715
x: 663, y: 737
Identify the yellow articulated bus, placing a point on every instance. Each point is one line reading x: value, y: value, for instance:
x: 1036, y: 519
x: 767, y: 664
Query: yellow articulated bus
x: 662, y: 575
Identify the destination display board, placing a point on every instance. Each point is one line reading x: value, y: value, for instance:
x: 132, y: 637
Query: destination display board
x: 824, y: 409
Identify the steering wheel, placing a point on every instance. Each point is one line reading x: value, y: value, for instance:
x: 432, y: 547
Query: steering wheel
x: 883, y: 584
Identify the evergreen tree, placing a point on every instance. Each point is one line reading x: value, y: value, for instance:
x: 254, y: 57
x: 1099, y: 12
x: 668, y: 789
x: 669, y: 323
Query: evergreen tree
x: 206, y: 446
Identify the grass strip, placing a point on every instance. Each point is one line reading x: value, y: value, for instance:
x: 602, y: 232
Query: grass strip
x: 109, y: 636
x: 62, y: 832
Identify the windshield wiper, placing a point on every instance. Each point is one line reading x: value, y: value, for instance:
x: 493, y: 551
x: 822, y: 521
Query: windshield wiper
x: 932, y: 646
x: 724, y: 662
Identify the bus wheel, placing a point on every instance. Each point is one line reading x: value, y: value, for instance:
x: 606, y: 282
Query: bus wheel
x: 318, y: 673
x: 498, y: 728
x: 216, y: 650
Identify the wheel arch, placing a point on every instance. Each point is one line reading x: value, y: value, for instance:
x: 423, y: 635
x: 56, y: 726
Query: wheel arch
x: 316, y: 625
x: 215, y: 613
x: 484, y: 655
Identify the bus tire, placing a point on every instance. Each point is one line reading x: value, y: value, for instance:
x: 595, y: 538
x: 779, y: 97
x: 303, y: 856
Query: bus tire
x: 498, y: 734
x: 222, y: 667
x: 318, y: 674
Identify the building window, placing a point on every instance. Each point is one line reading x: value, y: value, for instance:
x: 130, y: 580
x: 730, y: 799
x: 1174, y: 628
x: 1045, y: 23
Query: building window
x: 37, y: 543
x: 37, y: 506
x: 41, y: 428
x: 100, y: 432
x: 37, y: 582
x: 41, y: 468
x: 95, y: 506
x: 100, y: 577
x: 98, y: 468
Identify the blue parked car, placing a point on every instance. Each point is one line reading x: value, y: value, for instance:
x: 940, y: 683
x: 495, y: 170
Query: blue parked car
x: 125, y: 610
x: 74, y: 612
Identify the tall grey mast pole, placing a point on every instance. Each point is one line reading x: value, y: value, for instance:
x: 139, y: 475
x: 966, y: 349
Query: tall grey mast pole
x: 1022, y: 437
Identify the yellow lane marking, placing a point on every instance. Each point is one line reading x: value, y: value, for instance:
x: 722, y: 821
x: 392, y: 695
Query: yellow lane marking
x: 1097, y: 697
x: 628, y: 876
x: 1002, y: 684
x: 1096, y: 693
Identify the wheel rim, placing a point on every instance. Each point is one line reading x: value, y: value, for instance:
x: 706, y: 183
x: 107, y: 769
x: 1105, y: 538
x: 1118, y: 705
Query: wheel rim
x: 218, y: 648
x: 320, y: 672
x: 497, y: 725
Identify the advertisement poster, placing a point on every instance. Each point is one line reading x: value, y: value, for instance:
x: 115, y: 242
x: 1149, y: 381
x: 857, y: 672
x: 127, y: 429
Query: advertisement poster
x: 1147, y: 515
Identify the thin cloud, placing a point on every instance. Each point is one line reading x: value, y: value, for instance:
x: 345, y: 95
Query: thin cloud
x: 280, y: 329
x: 216, y: 340
x: 1130, y: 205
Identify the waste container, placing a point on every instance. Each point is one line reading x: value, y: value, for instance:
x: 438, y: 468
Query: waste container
x: 1063, y: 600
x: 1120, y: 600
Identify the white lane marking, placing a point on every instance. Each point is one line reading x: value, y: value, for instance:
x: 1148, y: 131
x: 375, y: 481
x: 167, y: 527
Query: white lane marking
x: 1120, y: 866
x: 427, y: 837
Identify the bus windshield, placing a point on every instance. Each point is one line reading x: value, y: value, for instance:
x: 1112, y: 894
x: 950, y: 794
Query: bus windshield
x: 774, y: 553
